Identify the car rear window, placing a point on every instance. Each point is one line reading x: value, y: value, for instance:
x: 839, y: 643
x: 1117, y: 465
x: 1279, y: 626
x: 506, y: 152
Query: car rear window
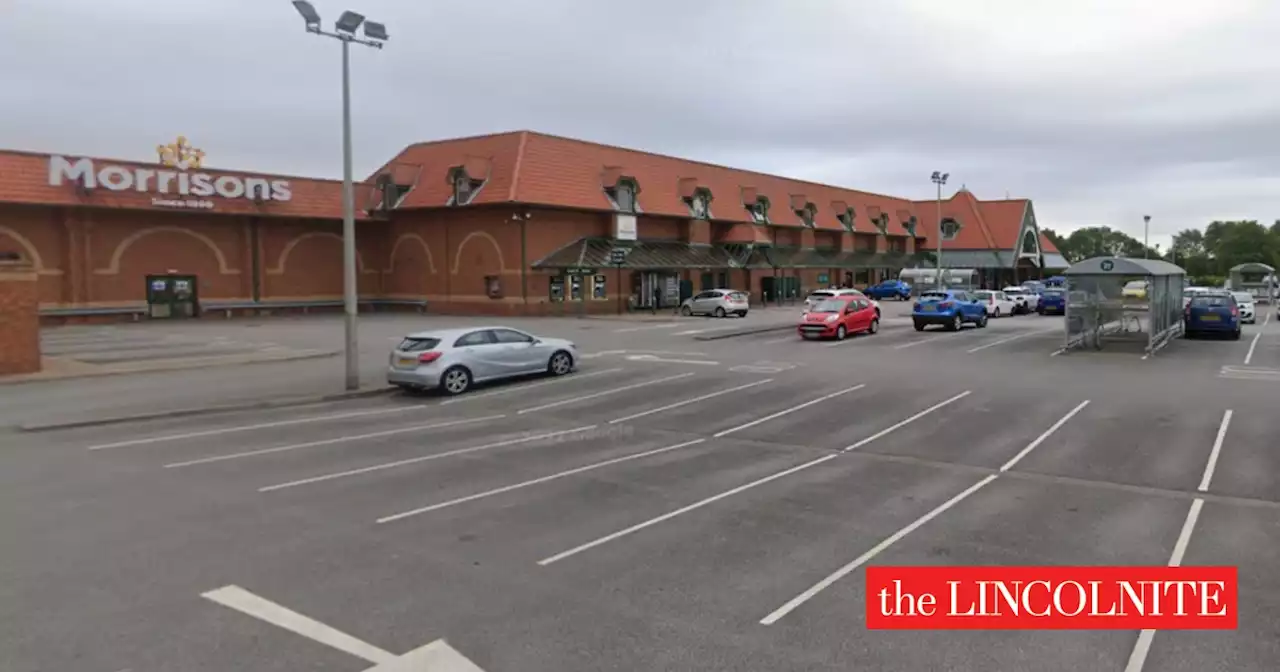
x: 1053, y: 292
x: 737, y: 296
x: 818, y: 296
x: 1243, y: 297
x: 417, y: 344
x: 1210, y: 301
x: 933, y: 295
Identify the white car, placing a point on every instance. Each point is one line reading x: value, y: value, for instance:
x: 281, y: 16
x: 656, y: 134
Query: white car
x: 821, y: 295
x: 998, y: 303
x: 1027, y: 300
x: 1188, y: 292
x: 1245, y: 301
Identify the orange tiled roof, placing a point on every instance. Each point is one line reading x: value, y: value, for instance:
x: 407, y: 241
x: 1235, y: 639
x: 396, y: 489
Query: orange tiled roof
x: 24, y: 178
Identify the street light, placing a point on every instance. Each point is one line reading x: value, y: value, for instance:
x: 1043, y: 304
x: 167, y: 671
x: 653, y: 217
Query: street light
x: 1146, y: 235
x: 374, y: 35
x: 939, y: 178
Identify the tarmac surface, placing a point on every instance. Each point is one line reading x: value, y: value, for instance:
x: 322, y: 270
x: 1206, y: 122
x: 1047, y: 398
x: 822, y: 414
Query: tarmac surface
x: 674, y: 504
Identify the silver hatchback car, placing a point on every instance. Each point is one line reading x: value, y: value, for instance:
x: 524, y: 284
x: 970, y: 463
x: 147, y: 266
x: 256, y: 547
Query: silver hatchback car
x: 718, y: 302
x: 452, y: 360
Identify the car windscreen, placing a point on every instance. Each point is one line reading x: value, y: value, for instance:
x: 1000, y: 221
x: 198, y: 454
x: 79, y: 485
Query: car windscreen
x: 1135, y: 284
x: 1211, y: 301
x: 412, y: 344
x: 933, y: 296
x: 830, y: 306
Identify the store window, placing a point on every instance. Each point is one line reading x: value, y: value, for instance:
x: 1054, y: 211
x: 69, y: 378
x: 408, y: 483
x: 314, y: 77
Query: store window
x: 599, y: 288
x: 557, y: 289
x: 575, y: 288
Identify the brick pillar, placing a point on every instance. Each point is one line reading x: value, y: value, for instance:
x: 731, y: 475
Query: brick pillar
x: 19, y: 318
x: 806, y: 239
x: 846, y: 242
x: 697, y: 232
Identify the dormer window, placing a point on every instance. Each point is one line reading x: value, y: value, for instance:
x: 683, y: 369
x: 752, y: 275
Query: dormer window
x: 846, y: 218
x: 807, y: 214
x: 882, y: 224
x: 759, y: 210
x: 465, y: 187
x: 910, y: 226
x: 623, y: 196
x: 700, y: 204
x: 391, y: 195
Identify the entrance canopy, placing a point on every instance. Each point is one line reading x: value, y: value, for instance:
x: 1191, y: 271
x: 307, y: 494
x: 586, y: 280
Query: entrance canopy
x: 1119, y: 299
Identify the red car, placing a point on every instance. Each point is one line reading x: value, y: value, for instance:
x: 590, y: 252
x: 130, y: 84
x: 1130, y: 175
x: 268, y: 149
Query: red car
x: 838, y: 317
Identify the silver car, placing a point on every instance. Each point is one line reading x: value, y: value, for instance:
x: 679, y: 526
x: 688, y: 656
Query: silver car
x: 452, y: 360
x: 718, y: 302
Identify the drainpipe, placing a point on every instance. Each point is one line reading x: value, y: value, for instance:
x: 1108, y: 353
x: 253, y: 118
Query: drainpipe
x: 524, y: 260
x: 255, y: 257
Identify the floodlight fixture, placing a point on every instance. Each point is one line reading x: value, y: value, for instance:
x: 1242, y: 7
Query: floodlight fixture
x: 309, y: 14
x: 348, y: 22
x: 375, y: 31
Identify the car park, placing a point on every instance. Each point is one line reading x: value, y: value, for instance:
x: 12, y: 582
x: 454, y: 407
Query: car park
x: 1053, y: 301
x: 1245, y: 301
x: 452, y: 360
x: 890, y: 289
x: 1212, y: 313
x: 1025, y: 301
x: 950, y: 308
x: 839, y: 316
x: 717, y: 302
x: 998, y: 303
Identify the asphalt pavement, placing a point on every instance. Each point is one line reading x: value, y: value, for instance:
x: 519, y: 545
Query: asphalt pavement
x: 672, y: 505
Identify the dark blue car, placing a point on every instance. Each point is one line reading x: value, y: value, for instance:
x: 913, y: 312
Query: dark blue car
x: 1212, y: 313
x: 889, y: 289
x: 950, y: 308
x: 1053, y: 301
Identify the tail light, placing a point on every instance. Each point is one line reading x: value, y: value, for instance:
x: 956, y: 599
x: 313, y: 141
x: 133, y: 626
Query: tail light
x: 429, y: 356
x: 1235, y: 311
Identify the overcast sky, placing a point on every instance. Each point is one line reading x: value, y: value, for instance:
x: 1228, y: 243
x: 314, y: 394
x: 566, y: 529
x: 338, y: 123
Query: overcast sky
x: 1099, y: 110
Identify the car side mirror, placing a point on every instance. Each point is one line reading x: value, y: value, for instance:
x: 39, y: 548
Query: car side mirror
x: 535, y: 341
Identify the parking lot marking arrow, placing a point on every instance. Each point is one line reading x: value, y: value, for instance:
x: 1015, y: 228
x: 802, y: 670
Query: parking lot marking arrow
x: 437, y: 656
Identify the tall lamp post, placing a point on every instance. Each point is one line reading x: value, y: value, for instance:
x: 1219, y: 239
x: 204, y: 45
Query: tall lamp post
x: 1146, y: 236
x: 939, y: 179
x: 374, y: 35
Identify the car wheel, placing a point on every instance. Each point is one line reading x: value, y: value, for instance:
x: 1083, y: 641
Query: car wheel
x: 841, y: 333
x: 956, y: 323
x: 996, y: 314
x: 874, y: 327
x: 560, y: 363
x: 720, y: 311
x: 742, y: 313
x: 1235, y: 335
x: 1040, y: 312
x: 982, y: 321
x: 456, y: 380
x: 919, y: 325
x: 686, y: 311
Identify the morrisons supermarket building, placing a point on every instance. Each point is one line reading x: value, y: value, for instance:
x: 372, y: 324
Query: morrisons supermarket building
x: 513, y: 223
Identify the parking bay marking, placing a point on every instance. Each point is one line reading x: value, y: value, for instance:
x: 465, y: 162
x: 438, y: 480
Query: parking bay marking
x: 786, y: 411
x: 519, y: 388
x: 602, y: 393
x: 1248, y: 357
x: 649, y: 327
x: 1007, y: 339
x: 423, y: 458
x: 329, y: 442
x: 1138, y: 658
x: 701, y: 503
x: 685, y: 402
x: 655, y: 358
x: 894, y: 538
x: 536, y: 481
x: 437, y: 656
x: 1217, y: 450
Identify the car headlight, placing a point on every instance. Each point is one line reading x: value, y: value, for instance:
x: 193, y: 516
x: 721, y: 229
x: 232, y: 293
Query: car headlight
x: 832, y: 318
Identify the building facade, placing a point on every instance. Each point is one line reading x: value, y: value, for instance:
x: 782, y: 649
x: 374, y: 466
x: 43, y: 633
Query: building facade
x: 507, y: 224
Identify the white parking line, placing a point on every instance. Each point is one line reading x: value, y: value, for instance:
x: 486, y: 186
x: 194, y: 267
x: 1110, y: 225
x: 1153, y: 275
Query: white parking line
x: 328, y: 442
x: 926, y: 339
x: 686, y: 402
x: 899, y: 425
x: 243, y: 601
x: 696, y: 505
x: 424, y: 458
x: 783, y: 412
x: 1217, y: 450
x: 879, y: 548
x: 648, y: 327
x: 1002, y: 341
x: 706, y: 330
x: 536, y: 481
x: 1143, y: 646
x: 520, y: 388
x: 261, y: 425
x: 1040, y: 439
x: 1248, y: 357
x: 784, y: 339
x: 602, y: 393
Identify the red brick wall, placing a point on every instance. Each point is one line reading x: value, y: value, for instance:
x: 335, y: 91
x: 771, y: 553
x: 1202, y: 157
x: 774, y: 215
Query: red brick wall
x: 19, y: 318
x: 658, y: 228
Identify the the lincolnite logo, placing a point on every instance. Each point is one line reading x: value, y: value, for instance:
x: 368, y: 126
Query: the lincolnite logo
x: 183, y: 180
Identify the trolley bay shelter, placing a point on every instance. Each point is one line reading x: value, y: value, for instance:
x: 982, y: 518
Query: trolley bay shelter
x: 1098, y: 314
x: 1257, y: 279
x: 517, y: 223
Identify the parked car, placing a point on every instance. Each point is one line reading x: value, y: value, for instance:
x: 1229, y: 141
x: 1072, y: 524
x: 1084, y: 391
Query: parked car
x: 718, y: 302
x: 951, y: 308
x: 1212, y: 312
x: 1245, y: 301
x: 821, y: 295
x: 1053, y: 301
x: 1135, y: 289
x: 1025, y: 300
x: 890, y: 289
x: 998, y: 303
x: 452, y: 360
x: 839, y: 316
x: 1034, y: 286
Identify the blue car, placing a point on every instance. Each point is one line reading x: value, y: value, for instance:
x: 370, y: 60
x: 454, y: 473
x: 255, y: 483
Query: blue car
x: 951, y: 308
x: 889, y: 289
x: 1053, y: 301
x: 1212, y: 313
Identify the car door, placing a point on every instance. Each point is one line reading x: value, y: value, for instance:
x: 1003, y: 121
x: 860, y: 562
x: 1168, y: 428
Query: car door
x: 480, y: 352
x: 969, y: 305
x: 701, y: 302
x: 519, y: 353
x: 865, y: 312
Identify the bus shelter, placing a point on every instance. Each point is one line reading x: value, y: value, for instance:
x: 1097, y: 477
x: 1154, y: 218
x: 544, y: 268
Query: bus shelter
x: 1100, y: 312
x: 1257, y: 279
